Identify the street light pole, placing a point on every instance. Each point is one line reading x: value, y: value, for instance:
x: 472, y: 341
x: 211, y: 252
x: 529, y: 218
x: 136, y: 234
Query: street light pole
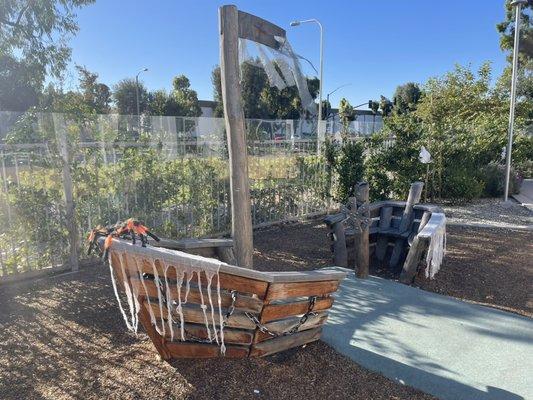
x: 137, y: 89
x: 518, y: 6
x: 321, y: 83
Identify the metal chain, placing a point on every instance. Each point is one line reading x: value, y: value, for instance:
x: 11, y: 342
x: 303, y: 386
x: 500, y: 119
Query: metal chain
x: 231, y: 308
x: 294, y: 329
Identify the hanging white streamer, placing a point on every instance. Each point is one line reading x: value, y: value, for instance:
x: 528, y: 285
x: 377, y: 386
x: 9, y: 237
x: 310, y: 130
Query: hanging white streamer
x: 436, y: 250
x: 185, y: 266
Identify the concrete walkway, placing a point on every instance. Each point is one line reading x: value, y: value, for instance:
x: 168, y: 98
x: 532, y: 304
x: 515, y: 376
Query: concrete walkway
x: 440, y: 345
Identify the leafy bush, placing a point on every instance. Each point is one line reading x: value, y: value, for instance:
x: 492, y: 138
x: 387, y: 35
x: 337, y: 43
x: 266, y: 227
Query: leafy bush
x: 493, y: 177
x: 346, y: 160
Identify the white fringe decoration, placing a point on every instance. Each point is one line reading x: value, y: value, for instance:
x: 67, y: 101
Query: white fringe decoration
x: 436, y: 250
x: 184, y: 266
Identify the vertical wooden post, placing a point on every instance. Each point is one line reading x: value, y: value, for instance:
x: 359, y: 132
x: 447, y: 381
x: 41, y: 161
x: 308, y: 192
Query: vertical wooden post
x: 241, y: 221
x: 61, y: 133
x: 415, y: 192
x: 362, y: 244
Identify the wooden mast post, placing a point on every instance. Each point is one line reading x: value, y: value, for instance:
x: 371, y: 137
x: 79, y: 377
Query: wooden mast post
x: 235, y: 24
x: 241, y: 214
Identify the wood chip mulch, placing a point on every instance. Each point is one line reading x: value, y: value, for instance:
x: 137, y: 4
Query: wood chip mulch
x: 64, y: 338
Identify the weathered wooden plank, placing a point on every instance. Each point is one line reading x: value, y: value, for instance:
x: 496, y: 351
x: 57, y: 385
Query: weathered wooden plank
x: 241, y: 214
x: 196, y: 316
x: 383, y: 241
x: 242, y: 302
x: 410, y: 266
x: 285, y: 342
x: 361, y: 238
x: 204, y: 350
x: 174, y: 257
x: 272, y: 312
x: 259, y: 30
x: 415, y: 192
x: 158, y: 341
x: 227, y: 281
x: 191, y: 243
x: 278, y: 291
x: 231, y: 336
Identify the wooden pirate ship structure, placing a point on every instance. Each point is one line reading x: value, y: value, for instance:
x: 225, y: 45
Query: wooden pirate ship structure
x: 405, y: 236
x: 198, y: 307
x: 186, y: 294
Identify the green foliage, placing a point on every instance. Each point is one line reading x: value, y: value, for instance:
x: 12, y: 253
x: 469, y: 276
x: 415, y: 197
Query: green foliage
x: 385, y: 105
x: 346, y: 115
x: 125, y: 97
x: 506, y: 29
x: 20, y: 83
x: 185, y: 98
x: 259, y: 99
x: 406, y: 98
x: 493, y: 177
x: 33, y: 43
x: 346, y: 161
x: 96, y: 95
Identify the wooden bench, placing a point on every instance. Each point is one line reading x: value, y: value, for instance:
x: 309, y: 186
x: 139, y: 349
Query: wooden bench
x: 271, y: 311
x: 221, y: 249
x: 388, y: 244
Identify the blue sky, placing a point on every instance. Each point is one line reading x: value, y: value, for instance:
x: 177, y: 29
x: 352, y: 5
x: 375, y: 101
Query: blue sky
x: 372, y: 45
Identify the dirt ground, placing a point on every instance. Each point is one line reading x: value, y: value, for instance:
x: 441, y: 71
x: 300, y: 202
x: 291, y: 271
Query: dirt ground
x: 63, y: 337
x: 488, y: 266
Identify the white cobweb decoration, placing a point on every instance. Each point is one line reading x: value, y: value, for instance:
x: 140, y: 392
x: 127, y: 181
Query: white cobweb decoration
x: 180, y: 270
x: 282, y: 67
x: 436, y: 250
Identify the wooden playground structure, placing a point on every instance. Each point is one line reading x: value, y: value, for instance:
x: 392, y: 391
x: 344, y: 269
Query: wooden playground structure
x: 192, y: 299
x: 393, y: 233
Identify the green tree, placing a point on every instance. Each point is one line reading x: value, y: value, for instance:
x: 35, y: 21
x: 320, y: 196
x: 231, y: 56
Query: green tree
x: 20, y: 84
x: 259, y: 99
x: 161, y: 103
x: 346, y: 115
x: 406, y: 98
x: 33, y: 44
x: 524, y: 106
x: 96, y: 95
x: 506, y: 30
x: 385, y: 105
x: 125, y: 97
x: 184, y: 97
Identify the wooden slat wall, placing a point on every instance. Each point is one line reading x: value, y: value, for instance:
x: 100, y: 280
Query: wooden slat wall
x: 242, y: 302
x: 279, y: 306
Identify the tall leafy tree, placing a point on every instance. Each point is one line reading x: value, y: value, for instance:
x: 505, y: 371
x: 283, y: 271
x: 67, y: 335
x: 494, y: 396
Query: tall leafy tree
x: 125, y: 97
x: 95, y: 94
x: 506, y: 29
x: 406, y: 98
x: 385, y: 105
x: 184, y: 97
x: 346, y: 114
x: 33, y: 42
x: 260, y: 100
